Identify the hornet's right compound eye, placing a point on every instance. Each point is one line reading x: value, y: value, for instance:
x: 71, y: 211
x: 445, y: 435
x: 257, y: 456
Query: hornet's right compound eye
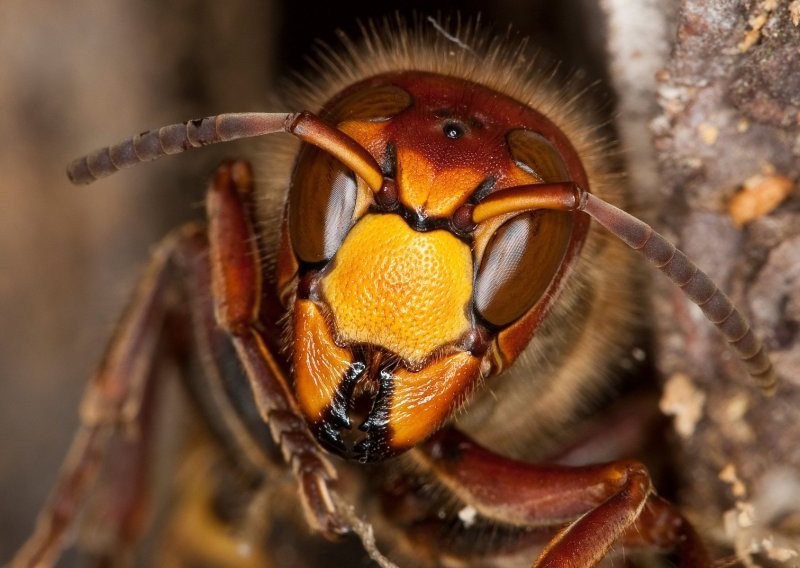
x: 324, y: 193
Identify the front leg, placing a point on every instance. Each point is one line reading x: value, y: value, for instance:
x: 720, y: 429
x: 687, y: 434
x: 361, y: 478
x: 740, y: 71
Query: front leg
x: 598, y: 506
x: 237, y: 290
x: 223, y: 265
x: 236, y: 282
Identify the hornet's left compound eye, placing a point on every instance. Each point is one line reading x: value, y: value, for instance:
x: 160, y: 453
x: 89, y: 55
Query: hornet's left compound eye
x: 535, y: 154
x: 519, y: 265
x: 525, y: 253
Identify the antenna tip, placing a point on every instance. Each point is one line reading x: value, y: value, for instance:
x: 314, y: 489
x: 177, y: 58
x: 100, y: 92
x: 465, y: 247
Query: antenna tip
x: 767, y: 380
x: 78, y: 172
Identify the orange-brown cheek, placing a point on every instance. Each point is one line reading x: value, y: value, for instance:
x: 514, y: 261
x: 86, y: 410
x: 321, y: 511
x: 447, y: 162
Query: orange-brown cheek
x: 422, y: 401
x: 400, y: 289
x: 320, y: 365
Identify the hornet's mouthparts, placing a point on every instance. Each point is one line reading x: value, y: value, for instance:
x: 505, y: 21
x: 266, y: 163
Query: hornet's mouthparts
x: 362, y: 398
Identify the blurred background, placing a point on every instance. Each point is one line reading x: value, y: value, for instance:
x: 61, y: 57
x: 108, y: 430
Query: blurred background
x: 81, y: 74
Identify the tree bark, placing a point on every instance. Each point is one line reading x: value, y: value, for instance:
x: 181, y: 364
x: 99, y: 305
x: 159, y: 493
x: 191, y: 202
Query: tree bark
x: 726, y: 142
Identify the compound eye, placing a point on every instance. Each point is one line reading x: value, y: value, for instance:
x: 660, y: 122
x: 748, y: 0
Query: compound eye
x: 520, y: 262
x: 323, y: 194
x: 321, y: 206
x: 536, y: 155
x: 525, y: 254
x: 372, y: 104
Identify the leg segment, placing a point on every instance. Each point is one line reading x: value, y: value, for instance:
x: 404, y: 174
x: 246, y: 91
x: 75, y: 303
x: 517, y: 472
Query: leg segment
x: 236, y: 278
x: 113, y: 404
x: 661, y: 526
x: 600, y: 504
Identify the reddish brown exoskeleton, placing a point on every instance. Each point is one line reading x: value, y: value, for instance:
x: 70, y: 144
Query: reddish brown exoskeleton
x: 436, y: 288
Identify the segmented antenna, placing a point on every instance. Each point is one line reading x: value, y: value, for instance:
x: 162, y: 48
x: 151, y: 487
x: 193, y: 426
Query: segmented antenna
x: 564, y: 196
x: 638, y: 235
x: 177, y: 138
